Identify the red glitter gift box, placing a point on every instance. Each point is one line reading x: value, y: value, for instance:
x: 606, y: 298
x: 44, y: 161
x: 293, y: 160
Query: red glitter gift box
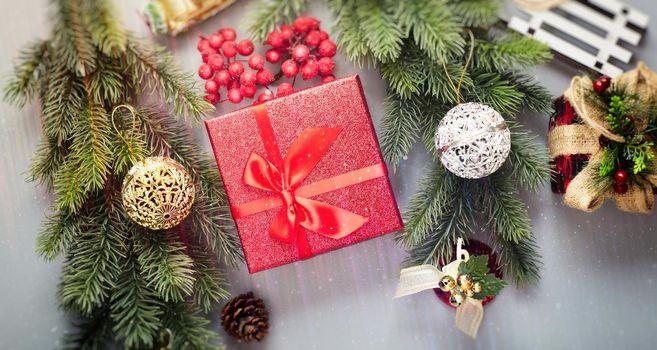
x: 304, y: 174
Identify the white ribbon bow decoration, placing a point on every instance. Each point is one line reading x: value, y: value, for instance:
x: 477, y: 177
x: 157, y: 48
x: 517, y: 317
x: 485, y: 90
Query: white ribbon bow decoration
x: 418, y: 278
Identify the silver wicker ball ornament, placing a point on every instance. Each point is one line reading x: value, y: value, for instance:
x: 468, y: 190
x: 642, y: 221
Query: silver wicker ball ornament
x: 158, y: 193
x: 473, y: 140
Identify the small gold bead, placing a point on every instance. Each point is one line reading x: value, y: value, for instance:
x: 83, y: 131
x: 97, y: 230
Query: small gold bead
x: 446, y: 283
x: 456, y: 299
x: 464, y: 282
x: 477, y: 287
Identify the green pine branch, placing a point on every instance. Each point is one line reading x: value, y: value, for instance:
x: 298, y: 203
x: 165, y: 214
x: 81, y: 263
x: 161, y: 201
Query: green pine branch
x: 72, y: 37
x: 476, y: 13
x: 136, y: 309
x: 506, y: 212
x: 189, y: 328
x: 118, y: 280
x: 432, y: 26
x: 528, y: 160
x: 265, y: 18
x: 165, y: 265
x: 156, y: 68
x: 24, y: 84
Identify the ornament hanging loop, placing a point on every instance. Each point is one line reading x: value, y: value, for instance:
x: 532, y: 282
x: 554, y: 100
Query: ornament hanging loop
x: 128, y: 141
x: 457, y: 87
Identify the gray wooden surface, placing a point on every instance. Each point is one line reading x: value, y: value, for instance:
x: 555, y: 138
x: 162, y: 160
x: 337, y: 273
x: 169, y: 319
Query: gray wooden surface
x: 597, y: 292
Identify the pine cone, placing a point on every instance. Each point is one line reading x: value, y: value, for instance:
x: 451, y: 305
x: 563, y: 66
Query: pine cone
x: 246, y: 318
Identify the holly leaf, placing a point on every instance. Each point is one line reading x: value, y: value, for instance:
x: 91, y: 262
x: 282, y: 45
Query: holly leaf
x: 476, y: 267
x: 490, y: 285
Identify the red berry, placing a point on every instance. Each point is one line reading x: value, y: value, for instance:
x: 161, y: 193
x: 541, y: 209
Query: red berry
x: 222, y: 77
x: 212, y: 98
x: 245, y: 47
x: 228, y: 33
x: 287, y: 31
x: 235, y: 69
x: 601, y: 84
x: 273, y: 56
x: 276, y: 40
x: 327, y: 48
x: 234, y: 84
x: 621, y: 188
x: 235, y: 96
x: 205, y: 58
x: 215, y: 61
x: 290, y: 68
x: 256, y: 62
x: 205, y: 71
x: 300, y: 53
x: 228, y: 48
x: 265, y: 77
x: 323, y: 35
x: 309, y: 69
x: 305, y: 23
x: 248, y: 90
x: 248, y: 78
x: 621, y: 176
x: 202, y: 44
x: 211, y: 87
x: 284, y: 89
x: 326, y: 65
x: 266, y: 96
x: 313, y: 38
x: 215, y: 41
x: 328, y: 78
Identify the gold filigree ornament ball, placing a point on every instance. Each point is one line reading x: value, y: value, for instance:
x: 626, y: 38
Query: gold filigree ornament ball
x: 473, y: 140
x: 158, y: 193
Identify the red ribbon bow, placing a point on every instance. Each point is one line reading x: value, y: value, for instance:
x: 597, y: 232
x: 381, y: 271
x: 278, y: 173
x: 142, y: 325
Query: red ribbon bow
x: 284, y: 177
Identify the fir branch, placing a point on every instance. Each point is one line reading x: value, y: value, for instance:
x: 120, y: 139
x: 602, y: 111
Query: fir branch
x: 508, y: 52
x: 209, y: 279
x: 73, y: 39
x: 46, y: 163
x: 93, y: 333
x: 425, y: 206
x: 88, y: 164
x: 507, y: 214
x: 24, y: 82
x: 519, y: 260
x: 536, y: 98
x: 433, y: 27
x: 165, y: 266
x: 106, y: 32
x: 268, y: 15
x: 476, y: 13
x: 381, y: 31
x: 93, y: 262
x: 57, y: 234
x: 107, y: 83
x: 189, y: 328
x: 350, y: 38
x: 135, y: 308
x: 528, y: 161
x: 491, y: 89
x: 157, y: 70
x: 400, y: 127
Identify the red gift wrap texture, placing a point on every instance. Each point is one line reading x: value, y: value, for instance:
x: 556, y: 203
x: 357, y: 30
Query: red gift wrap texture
x: 341, y: 105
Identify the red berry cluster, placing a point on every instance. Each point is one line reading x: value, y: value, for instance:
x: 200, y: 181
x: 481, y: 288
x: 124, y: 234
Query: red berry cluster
x: 601, y: 84
x: 303, y: 48
x: 222, y: 68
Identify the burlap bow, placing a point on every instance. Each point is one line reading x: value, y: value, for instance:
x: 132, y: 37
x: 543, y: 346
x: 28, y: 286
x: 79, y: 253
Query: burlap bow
x: 585, y: 139
x: 539, y: 5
